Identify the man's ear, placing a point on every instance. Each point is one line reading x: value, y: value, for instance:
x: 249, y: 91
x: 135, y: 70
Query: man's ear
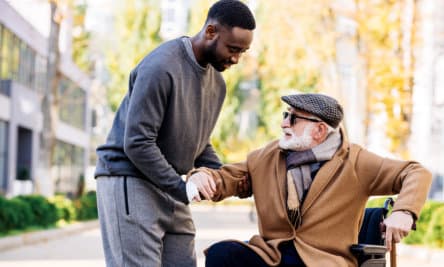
x: 210, y: 31
x: 320, y: 132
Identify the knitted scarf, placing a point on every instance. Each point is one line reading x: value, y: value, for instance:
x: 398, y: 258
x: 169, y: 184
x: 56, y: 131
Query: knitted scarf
x: 300, y: 165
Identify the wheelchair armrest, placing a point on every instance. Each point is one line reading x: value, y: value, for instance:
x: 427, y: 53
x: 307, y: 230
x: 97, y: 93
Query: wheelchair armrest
x: 368, y: 250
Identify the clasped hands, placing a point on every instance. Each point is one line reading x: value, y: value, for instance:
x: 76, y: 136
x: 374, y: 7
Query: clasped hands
x: 201, y: 185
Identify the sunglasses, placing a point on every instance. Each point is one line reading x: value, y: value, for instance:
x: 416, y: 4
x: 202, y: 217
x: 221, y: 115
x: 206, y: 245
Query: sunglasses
x: 293, y: 118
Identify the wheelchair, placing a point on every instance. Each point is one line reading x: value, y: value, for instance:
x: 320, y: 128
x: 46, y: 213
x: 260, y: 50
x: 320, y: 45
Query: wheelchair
x: 370, y: 250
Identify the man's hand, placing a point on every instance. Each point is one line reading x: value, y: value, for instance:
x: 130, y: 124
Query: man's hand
x: 204, y: 183
x: 398, y: 225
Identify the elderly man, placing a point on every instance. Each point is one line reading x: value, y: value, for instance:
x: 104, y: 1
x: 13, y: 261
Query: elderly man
x: 310, y: 189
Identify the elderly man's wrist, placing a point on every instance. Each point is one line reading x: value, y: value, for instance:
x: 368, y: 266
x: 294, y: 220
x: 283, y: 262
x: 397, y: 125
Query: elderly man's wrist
x: 413, y: 217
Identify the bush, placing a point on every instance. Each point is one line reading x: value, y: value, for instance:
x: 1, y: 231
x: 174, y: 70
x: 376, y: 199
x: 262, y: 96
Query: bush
x: 45, y: 213
x: 435, y: 232
x: 86, y: 206
x: 14, y: 214
x: 23, y: 212
x: 65, y: 208
x: 378, y: 202
x: 417, y: 237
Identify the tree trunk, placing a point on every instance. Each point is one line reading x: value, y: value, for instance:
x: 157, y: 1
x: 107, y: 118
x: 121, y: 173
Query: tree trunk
x: 408, y: 32
x: 50, y: 101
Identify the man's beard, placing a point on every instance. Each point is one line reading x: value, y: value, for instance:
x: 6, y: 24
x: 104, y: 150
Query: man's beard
x: 297, y: 143
x: 211, y: 55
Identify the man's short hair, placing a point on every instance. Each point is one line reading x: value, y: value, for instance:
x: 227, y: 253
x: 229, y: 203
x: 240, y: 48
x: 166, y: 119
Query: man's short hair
x: 232, y: 13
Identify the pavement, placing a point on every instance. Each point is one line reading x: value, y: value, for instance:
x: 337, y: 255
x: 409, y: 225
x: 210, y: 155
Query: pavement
x: 80, y: 244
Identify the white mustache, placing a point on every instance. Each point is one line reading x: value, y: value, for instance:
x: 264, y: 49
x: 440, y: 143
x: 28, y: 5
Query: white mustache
x: 288, y: 131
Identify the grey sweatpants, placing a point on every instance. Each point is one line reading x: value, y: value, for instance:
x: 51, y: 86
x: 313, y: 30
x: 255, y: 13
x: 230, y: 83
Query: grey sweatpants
x: 143, y: 226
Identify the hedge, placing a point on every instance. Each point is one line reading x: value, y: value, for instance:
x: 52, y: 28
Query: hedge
x: 14, y: 214
x: 435, y: 232
x: 44, y: 213
x: 22, y: 212
x: 86, y: 206
x: 423, y: 223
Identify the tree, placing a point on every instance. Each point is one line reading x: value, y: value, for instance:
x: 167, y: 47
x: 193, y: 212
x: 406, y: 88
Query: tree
x: 229, y: 146
x: 296, y: 45
x: 292, y: 48
x: 50, y: 96
x: 81, y: 53
x: 137, y: 25
x: 386, y: 40
x: 57, y: 89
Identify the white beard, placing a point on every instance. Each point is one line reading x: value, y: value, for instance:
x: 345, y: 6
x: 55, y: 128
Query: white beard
x: 297, y: 143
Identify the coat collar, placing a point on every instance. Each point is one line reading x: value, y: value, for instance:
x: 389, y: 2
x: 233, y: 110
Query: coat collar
x: 323, y: 177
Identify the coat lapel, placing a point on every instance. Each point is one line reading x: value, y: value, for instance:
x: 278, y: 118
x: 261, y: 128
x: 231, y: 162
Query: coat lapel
x: 326, y: 173
x: 281, y: 178
x: 323, y: 177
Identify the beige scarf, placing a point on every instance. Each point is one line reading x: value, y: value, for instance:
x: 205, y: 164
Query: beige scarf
x: 300, y: 166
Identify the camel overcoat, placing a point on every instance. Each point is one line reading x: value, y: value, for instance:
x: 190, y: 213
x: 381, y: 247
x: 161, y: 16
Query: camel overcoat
x: 333, y: 209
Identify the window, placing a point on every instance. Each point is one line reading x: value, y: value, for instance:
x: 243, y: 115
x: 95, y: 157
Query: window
x: 26, y: 66
x: 15, y: 57
x: 3, y: 155
x: 6, y: 52
x: 18, y: 61
x: 40, y: 74
x: 67, y: 167
x: 72, y: 103
x: 1, y: 49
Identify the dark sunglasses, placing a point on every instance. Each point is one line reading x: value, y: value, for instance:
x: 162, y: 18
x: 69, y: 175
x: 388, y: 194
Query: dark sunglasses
x: 293, y: 117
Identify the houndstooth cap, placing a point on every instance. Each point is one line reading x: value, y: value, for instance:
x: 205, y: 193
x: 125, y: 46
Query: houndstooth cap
x: 322, y: 106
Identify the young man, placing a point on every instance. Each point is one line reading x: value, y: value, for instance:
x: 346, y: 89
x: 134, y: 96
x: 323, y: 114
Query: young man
x: 160, y: 132
x: 310, y: 189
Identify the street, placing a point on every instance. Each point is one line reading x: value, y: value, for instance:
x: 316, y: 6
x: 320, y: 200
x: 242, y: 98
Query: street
x: 213, y: 223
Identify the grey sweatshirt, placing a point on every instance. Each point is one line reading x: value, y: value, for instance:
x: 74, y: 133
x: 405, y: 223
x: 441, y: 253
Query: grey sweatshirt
x: 163, y: 125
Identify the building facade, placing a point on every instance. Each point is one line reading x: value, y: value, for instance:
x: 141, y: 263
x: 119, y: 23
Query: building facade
x: 23, y: 80
x: 427, y: 138
x: 174, y: 18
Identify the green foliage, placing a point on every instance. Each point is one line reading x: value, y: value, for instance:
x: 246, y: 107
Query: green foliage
x: 137, y: 25
x: 376, y: 202
x: 295, y: 45
x: 197, y: 15
x: 228, y: 145
x: 24, y: 213
x: 423, y: 223
x: 65, y: 208
x: 86, y: 206
x: 45, y: 213
x: 14, y: 214
x: 385, y: 47
x: 81, y: 40
x: 435, y: 233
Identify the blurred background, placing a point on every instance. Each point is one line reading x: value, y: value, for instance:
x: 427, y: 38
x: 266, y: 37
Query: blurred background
x: 64, y: 69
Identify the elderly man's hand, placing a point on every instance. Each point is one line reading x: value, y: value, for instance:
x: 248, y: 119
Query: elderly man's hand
x: 398, y: 225
x: 244, y: 189
x: 204, y: 183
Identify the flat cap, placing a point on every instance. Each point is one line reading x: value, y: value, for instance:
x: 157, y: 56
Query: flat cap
x: 322, y: 106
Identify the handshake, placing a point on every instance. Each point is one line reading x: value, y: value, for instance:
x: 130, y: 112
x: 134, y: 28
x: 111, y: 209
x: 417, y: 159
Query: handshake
x: 201, y: 185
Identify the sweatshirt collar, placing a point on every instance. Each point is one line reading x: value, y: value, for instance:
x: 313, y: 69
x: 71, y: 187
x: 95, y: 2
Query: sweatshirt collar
x: 189, y: 49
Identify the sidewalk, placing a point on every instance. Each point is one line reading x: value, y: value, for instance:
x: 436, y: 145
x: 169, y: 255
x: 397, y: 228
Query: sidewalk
x: 80, y: 244
x: 419, y: 256
x: 11, y: 242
